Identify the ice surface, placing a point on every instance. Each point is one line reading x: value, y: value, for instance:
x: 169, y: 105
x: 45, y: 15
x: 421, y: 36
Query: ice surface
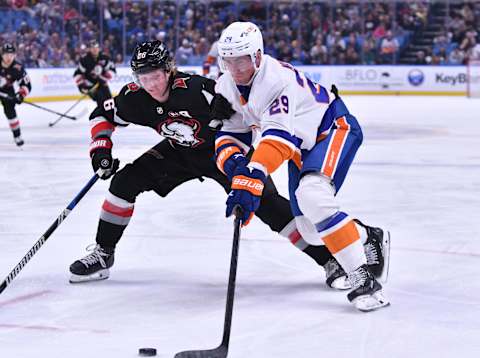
x: 417, y: 174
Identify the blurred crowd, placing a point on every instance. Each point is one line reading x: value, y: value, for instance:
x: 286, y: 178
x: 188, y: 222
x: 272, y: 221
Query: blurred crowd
x: 460, y: 39
x: 52, y: 33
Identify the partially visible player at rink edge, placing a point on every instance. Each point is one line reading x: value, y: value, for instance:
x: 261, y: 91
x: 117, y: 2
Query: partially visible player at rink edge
x: 93, y: 72
x: 298, y: 121
x: 210, y: 60
x: 179, y: 107
x: 11, y: 72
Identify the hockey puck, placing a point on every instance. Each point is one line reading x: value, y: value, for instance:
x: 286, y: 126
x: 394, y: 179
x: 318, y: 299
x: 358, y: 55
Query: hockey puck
x: 147, y: 352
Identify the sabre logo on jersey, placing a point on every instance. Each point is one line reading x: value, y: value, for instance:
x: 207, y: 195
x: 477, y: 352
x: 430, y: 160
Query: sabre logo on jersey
x: 180, y: 82
x: 181, y: 131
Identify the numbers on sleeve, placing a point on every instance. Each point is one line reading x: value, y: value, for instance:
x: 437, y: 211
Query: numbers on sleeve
x: 319, y: 95
x: 279, y: 105
x: 109, y: 104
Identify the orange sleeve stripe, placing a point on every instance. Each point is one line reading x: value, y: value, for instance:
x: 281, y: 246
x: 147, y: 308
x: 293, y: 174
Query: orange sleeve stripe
x: 341, y: 238
x: 225, y: 154
x: 254, y: 186
x: 271, y: 154
x: 222, y: 142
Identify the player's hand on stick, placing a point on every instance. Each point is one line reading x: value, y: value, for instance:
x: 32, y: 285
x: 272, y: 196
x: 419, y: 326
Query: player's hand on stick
x: 20, y: 95
x: 101, y: 155
x: 247, y: 188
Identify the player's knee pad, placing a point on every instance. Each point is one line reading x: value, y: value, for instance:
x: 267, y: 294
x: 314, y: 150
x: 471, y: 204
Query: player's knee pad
x: 316, y: 197
x: 308, y: 230
x: 125, y: 184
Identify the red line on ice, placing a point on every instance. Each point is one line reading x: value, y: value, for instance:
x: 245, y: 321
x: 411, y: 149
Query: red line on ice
x: 24, y: 297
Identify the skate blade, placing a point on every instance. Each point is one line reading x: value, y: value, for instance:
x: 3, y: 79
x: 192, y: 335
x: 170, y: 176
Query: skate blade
x: 383, y: 278
x: 341, y: 283
x: 97, y: 276
x: 367, y: 303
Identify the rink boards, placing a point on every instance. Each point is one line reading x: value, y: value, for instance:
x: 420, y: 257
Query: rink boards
x: 53, y: 84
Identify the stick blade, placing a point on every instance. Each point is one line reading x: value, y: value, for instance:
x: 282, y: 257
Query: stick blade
x: 219, y: 352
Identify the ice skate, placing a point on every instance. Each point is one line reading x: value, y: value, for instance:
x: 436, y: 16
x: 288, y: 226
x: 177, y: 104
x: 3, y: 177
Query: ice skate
x: 336, y: 277
x: 367, y: 293
x: 92, y: 267
x: 19, y: 141
x: 377, y: 251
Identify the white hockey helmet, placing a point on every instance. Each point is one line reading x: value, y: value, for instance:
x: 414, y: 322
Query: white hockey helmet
x: 240, y: 39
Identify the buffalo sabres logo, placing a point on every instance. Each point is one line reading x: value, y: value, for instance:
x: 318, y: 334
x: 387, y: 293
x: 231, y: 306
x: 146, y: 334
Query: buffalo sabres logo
x: 181, y: 131
x: 159, y: 110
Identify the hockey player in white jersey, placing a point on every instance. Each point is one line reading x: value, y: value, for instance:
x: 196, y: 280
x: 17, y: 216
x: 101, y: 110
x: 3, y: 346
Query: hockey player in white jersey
x: 299, y: 121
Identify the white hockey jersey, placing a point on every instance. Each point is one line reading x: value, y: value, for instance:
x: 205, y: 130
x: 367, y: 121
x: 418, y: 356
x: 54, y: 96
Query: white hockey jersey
x: 286, y: 107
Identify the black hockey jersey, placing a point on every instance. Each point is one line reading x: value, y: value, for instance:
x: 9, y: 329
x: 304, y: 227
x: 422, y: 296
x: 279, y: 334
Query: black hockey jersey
x: 91, y: 70
x: 14, y: 73
x: 183, y: 119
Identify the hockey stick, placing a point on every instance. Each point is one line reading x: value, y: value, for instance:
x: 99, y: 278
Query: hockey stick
x: 91, y: 91
x: 222, y: 350
x: 16, y: 270
x: 7, y: 97
x: 51, y: 124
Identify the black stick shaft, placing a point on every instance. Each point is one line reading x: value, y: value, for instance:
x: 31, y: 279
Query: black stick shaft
x: 50, y: 110
x: 222, y: 350
x: 16, y: 270
x: 231, y: 281
x: 6, y: 96
x: 51, y: 124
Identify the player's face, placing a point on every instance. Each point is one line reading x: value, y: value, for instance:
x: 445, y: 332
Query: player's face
x: 95, y: 51
x: 241, y: 68
x: 155, y: 82
x: 8, y: 58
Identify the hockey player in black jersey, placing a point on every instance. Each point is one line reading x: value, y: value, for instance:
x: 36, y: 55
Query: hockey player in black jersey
x: 179, y: 107
x: 93, y: 73
x: 12, y: 72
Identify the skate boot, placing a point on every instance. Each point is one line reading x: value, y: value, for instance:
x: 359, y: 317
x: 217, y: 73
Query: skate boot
x: 92, y: 267
x: 18, y: 141
x: 377, y: 251
x: 336, y: 277
x: 367, y: 293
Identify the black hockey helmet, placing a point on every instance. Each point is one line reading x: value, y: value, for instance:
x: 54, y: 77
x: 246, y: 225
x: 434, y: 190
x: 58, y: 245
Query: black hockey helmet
x: 93, y: 43
x: 8, y: 48
x: 149, y: 56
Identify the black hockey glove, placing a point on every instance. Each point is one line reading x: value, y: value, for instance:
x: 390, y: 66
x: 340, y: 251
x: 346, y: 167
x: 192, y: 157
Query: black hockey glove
x: 18, y: 98
x: 220, y: 109
x: 84, y: 89
x: 101, y: 154
x: 20, y: 95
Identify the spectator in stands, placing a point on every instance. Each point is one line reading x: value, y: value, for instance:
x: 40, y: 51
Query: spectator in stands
x: 388, y: 48
x: 469, y: 41
x: 475, y: 53
x: 351, y: 56
x: 319, y: 52
x: 369, y: 51
x: 421, y: 58
x: 456, y: 57
x: 184, y: 52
